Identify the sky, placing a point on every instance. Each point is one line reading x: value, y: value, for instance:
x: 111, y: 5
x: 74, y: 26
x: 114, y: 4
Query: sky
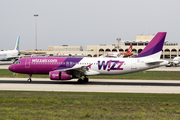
x: 85, y: 22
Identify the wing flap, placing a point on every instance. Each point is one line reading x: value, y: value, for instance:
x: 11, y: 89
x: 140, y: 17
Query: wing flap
x: 91, y: 72
x: 67, y: 69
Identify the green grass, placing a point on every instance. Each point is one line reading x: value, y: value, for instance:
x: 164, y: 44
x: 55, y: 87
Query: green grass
x: 75, y: 106
x: 148, y: 75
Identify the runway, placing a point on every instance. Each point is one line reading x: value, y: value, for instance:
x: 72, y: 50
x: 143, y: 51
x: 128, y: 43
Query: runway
x: 94, y: 85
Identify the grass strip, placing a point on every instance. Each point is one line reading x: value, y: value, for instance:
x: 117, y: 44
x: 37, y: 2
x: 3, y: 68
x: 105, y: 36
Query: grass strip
x: 73, y: 105
x: 148, y: 75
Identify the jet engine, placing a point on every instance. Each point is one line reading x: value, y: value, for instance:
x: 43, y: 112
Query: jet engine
x: 56, y: 75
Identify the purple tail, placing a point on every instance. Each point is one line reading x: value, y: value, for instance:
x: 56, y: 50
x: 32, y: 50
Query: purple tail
x: 154, y: 46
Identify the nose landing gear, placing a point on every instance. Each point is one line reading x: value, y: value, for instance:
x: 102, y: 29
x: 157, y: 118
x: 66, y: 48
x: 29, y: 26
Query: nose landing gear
x: 29, y: 80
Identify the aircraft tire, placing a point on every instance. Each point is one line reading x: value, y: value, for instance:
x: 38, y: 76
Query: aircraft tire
x: 29, y: 80
x: 80, y: 81
x: 86, y: 80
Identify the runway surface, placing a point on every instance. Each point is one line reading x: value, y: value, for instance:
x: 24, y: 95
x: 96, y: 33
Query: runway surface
x: 94, y: 85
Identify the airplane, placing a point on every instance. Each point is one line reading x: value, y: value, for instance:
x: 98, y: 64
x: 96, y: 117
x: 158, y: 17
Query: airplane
x: 119, y: 54
x: 11, y: 54
x: 176, y: 61
x: 67, y: 68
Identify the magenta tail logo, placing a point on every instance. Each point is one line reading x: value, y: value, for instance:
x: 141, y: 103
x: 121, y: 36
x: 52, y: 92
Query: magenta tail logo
x: 110, y: 65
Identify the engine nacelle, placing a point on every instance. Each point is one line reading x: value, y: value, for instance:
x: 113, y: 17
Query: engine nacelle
x: 56, y: 75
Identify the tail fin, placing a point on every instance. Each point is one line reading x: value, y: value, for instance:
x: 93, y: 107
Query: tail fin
x: 129, y: 52
x: 130, y: 49
x: 154, y: 47
x: 17, y: 44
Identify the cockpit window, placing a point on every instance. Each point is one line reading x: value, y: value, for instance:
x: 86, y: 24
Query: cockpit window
x: 17, y: 62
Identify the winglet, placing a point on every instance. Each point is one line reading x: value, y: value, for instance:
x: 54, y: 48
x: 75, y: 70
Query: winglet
x: 154, y: 46
x: 17, y: 44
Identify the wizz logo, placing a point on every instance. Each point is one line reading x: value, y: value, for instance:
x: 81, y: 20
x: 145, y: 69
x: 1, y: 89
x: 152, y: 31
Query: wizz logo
x: 111, y: 65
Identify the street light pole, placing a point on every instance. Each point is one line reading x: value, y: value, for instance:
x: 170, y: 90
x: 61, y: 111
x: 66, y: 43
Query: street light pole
x: 118, y: 39
x: 36, y: 15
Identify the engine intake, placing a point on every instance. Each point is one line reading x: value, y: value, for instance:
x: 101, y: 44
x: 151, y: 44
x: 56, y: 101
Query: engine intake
x: 56, y: 75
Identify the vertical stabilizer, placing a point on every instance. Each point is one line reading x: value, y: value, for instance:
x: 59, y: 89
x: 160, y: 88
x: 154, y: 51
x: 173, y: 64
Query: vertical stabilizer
x: 154, y: 47
x: 17, y: 44
x: 130, y: 49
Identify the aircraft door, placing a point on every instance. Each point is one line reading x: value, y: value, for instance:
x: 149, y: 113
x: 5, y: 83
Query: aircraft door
x: 27, y: 63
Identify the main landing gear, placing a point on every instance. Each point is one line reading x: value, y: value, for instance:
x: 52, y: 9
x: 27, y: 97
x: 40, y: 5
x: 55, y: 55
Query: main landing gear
x: 29, y: 80
x: 85, y: 80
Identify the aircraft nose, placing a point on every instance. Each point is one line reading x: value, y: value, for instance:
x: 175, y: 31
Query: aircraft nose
x: 11, y: 68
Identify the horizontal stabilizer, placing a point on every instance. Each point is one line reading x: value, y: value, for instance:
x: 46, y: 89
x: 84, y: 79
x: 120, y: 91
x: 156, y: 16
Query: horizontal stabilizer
x: 154, y: 61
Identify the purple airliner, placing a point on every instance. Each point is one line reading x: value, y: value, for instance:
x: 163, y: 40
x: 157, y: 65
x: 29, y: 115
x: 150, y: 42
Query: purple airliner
x: 67, y: 68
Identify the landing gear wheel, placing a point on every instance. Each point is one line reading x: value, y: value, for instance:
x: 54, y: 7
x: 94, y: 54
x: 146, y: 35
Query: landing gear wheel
x: 86, y: 80
x: 29, y: 80
x: 80, y: 81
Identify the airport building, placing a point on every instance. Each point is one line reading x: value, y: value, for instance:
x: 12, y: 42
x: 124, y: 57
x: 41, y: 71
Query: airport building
x: 66, y: 50
x: 170, y: 50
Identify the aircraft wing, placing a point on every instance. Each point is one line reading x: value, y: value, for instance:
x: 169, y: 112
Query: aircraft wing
x: 12, y: 57
x: 83, y: 70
